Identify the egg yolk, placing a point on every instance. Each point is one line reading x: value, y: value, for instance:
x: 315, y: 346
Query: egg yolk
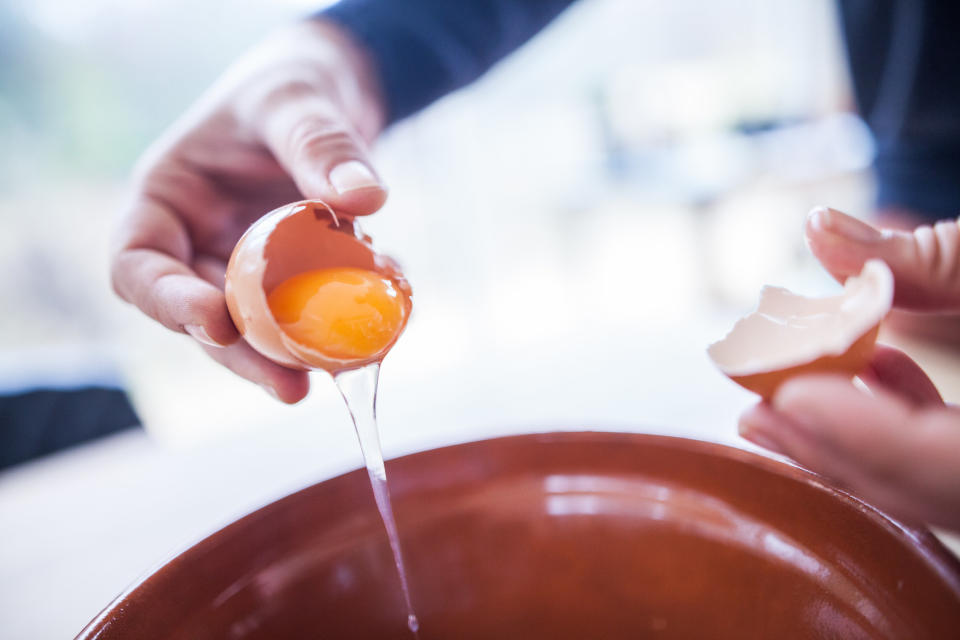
x: 343, y: 313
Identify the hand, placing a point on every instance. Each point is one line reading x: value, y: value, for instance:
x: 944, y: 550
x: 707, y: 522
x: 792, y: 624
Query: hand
x: 898, y: 445
x: 290, y: 120
x: 925, y: 262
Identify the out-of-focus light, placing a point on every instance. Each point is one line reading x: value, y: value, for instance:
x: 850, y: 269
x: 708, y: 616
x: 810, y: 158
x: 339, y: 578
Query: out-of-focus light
x: 76, y: 21
x: 73, y: 21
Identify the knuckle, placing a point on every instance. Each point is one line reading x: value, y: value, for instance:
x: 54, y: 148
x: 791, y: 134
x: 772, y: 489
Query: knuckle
x: 276, y: 85
x: 319, y: 135
x: 926, y: 246
x: 294, y: 88
x: 948, y: 241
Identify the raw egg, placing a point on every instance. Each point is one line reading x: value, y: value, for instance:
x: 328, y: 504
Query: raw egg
x: 306, y: 289
x: 790, y: 335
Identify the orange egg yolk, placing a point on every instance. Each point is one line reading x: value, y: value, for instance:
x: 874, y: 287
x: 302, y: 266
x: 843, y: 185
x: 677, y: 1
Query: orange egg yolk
x: 343, y: 313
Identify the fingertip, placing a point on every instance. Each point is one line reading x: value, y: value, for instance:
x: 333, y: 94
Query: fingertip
x: 355, y: 201
x: 358, y: 189
x: 290, y: 387
x: 221, y: 330
x: 840, y: 242
x: 815, y: 402
x: 209, y: 322
x: 815, y: 220
x: 361, y: 202
x: 752, y: 416
x: 799, y: 392
x: 815, y: 228
x: 760, y: 425
x: 853, y: 230
x: 200, y: 334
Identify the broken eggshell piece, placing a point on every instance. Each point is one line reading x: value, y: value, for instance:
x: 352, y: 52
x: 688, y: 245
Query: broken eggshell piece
x: 790, y: 335
x: 290, y: 240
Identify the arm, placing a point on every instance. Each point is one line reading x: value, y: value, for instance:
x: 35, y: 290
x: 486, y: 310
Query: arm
x: 904, y: 59
x: 424, y: 49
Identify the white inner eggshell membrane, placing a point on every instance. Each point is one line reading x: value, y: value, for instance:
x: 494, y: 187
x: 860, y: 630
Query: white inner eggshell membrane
x: 302, y: 242
x: 789, y: 330
x: 290, y: 240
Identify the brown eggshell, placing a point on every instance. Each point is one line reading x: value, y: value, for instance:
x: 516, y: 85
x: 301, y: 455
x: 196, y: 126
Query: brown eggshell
x: 294, y: 238
x: 790, y: 335
x: 850, y: 363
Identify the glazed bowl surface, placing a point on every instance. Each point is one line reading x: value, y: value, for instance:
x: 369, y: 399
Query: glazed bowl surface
x: 562, y: 536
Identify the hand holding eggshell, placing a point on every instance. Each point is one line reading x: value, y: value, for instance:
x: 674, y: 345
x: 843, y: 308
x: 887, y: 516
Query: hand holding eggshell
x: 293, y: 118
x: 895, y: 445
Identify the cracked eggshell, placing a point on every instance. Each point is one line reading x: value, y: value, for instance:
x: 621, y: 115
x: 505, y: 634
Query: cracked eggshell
x: 790, y: 335
x: 294, y: 238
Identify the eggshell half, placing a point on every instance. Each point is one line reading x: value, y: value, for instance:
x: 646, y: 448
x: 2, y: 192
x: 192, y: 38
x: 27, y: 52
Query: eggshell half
x: 788, y: 335
x: 289, y: 240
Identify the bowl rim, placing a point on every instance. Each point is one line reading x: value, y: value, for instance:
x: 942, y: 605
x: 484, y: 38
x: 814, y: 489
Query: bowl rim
x: 925, y: 543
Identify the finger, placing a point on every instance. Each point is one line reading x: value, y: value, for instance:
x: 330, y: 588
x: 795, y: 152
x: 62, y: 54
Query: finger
x: 321, y: 150
x: 766, y: 427
x: 287, y: 385
x: 898, y: 457
x: 841, y: 416
x: 150, y: 271
x: 211, y: 269
x: 925, y: 262
x: 173, y: 295
x: 895, y: 371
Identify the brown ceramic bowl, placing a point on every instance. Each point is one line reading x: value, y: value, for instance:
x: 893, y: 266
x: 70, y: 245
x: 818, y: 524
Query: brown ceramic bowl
x: 565, y: 535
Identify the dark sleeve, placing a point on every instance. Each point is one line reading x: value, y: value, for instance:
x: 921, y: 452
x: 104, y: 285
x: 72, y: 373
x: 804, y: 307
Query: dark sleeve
x: 905, y: 61
x: 424, y: 49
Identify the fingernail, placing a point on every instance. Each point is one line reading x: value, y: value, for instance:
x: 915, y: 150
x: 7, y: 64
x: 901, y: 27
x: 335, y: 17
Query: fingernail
x: 353, y: 175
x: 825, y: 219
x: 758, y: 438
x: 816, y: 217
x: 200, y: 335
x: 273, y: 392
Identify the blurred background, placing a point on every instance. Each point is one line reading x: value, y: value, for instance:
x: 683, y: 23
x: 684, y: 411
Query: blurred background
x: 577, y: 226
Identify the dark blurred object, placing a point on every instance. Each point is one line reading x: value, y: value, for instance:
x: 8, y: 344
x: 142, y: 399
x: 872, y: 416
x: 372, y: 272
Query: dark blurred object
x: 41, y: 421
x: 424, y: 49
x: 904, y: 56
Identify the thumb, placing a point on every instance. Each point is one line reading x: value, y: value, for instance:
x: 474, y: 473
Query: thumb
x: 323, y: 153
x: 893, y: 454
x: 925, y: 262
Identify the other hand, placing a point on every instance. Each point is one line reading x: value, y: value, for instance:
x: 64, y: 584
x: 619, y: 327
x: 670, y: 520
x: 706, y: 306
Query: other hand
x: 897, y: 445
